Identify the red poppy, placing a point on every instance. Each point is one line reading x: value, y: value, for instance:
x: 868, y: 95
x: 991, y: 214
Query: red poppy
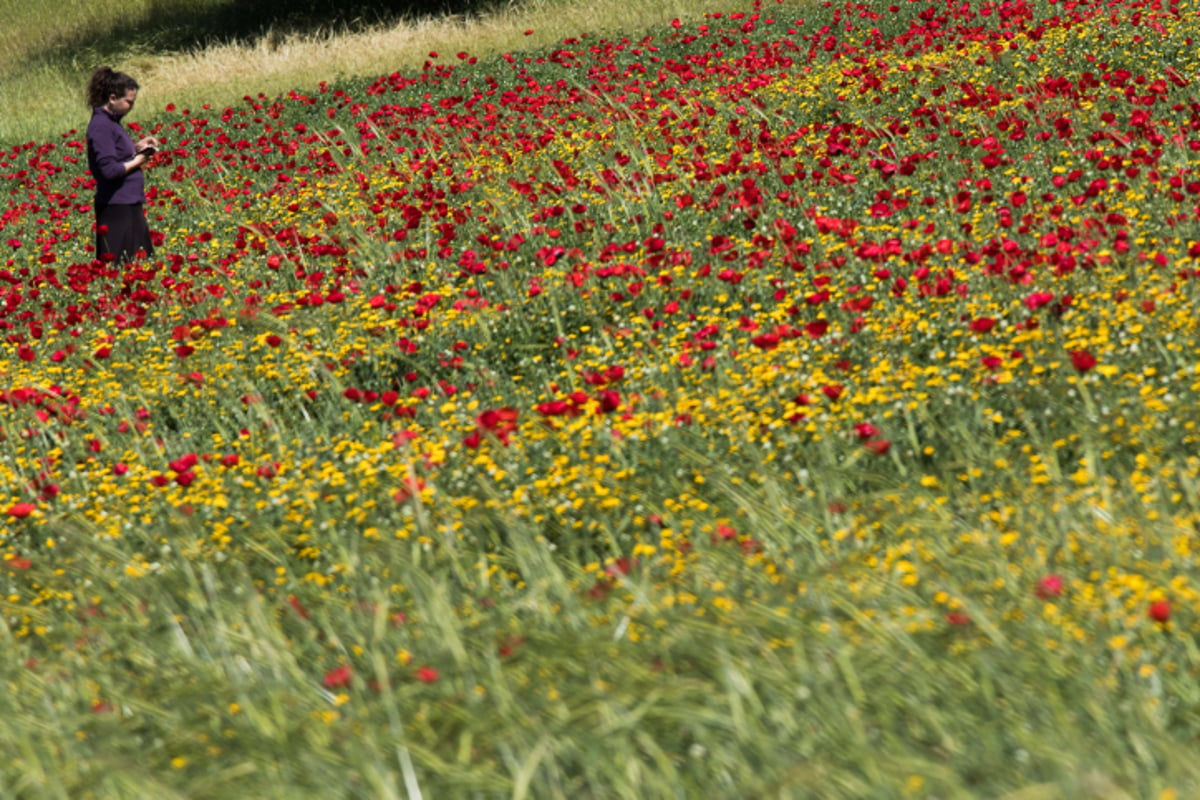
x: 21, y: 510
x: 878, y: 446
x: 1082, y: 360
x: 183, y: 463
x: 1049, y: 586
x: 865, y: 430
x: 609, y: 401
x: 817, y: 328
x: 1160, y: 611
x: 339, y: 677
x: 982, y: 324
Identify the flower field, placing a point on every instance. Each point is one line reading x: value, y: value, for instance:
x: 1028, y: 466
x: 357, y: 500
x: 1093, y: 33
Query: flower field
x: 802, y: 403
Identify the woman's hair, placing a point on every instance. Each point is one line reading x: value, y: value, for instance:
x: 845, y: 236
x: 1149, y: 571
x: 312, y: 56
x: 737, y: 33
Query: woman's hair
x: 106, y: 82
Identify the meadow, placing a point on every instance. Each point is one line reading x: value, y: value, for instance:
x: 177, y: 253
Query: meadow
x: 800, y: 401
x: 214, y: 52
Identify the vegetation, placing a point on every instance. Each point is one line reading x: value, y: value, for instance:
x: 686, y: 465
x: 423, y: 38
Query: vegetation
x: 215, y: 52
x: 795, y: 402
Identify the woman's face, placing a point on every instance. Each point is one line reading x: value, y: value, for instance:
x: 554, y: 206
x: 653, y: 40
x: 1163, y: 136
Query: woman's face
x: 120, y: 105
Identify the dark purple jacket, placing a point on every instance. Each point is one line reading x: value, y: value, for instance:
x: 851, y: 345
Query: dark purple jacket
x: 109, y: 146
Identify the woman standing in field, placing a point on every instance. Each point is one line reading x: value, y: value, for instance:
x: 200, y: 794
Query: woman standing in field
x: 116, y: 162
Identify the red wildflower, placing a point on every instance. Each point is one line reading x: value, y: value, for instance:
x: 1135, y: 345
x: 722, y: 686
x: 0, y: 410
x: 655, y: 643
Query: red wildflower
x: 878, y: 446
x: 621, y: 566
x: 817, y: 328
x: 338, y: 678
x: 865, y: 430
x: 297, y: 606
x: 412, y: 486
x: 427, y: 674
x: 21, y: 510
x: 1082, y: 360
x: 1160, y: 611
x: 509, y: 645
x: 982, y: 324
x: 1039, y: 299
x: 1049, y: 586
x: 498, y: 422
x: 609, y: 401
x: 766, y: 341
x: 183, y: 463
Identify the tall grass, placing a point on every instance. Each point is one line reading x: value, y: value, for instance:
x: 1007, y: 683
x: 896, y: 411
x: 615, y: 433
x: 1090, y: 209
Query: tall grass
x: 196, y: 53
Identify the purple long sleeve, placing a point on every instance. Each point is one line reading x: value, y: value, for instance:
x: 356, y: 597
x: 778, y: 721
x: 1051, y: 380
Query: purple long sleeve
x: 109, y: 146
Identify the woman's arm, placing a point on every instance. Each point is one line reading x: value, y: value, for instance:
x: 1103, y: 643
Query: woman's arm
x: 136, y: 162
x: 112, y: 157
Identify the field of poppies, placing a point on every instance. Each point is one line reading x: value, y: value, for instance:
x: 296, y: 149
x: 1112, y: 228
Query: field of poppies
x: 802, y: 404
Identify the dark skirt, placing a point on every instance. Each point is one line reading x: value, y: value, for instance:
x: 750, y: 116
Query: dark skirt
x: 122, y: 233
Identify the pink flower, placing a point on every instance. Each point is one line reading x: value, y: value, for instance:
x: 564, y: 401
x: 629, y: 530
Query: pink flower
x: 1049, y: 586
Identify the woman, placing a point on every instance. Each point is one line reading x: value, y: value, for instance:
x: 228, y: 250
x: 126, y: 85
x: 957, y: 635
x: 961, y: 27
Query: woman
x: 116, y: 162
